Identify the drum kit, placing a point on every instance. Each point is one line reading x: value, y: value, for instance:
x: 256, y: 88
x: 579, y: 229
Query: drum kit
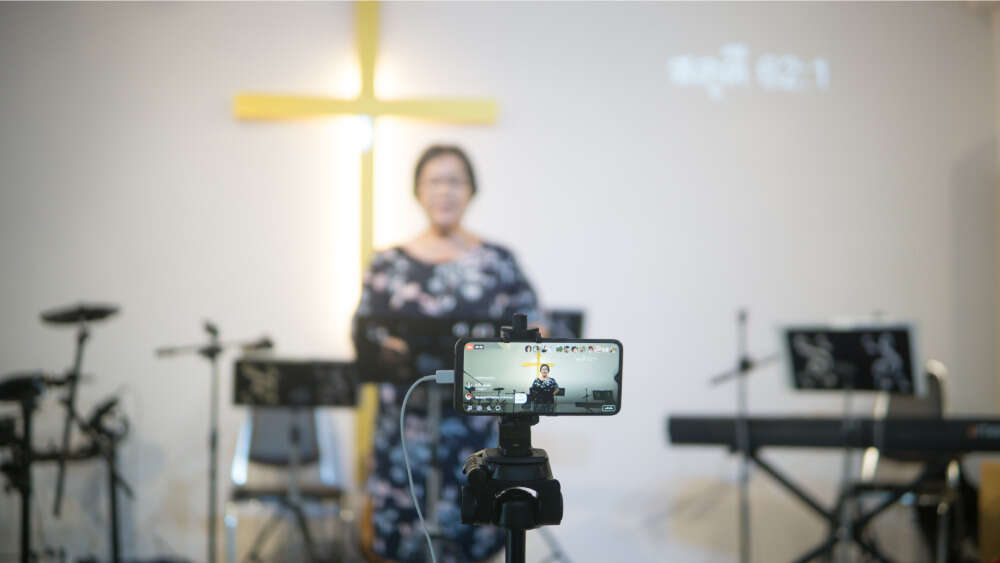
x: 103, y: 430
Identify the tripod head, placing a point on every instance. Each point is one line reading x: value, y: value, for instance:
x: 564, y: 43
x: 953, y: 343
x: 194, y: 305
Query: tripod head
x: 511, y: 486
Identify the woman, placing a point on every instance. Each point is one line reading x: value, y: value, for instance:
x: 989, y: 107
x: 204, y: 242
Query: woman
x: 542, y: 393
x: 446, y: 271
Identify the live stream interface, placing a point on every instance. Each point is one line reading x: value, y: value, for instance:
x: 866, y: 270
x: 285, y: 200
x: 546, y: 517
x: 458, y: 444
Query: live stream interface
x: 548, y: 378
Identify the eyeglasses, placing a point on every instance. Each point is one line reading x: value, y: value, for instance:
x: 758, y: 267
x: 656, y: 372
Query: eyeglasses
x: 450, y: 182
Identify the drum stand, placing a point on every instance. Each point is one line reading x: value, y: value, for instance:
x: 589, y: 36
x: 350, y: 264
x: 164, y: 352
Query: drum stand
x: 19, y: 473
x: 72, y: 378
x: 103, y: 440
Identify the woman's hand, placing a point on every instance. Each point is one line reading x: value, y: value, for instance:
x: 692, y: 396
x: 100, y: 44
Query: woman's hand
x: 394, y: 350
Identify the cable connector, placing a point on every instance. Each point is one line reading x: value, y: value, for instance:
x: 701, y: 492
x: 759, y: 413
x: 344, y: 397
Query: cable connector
x: 445, y: 376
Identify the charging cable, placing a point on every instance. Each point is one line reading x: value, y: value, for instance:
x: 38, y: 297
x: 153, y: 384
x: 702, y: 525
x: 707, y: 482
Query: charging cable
x: 441, y: 376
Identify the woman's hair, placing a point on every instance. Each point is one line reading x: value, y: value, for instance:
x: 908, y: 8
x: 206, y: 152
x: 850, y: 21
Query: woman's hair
x: 546, y: 366
x: 434, y: 151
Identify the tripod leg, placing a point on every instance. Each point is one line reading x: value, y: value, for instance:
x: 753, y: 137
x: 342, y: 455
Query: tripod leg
x: 515, y: 546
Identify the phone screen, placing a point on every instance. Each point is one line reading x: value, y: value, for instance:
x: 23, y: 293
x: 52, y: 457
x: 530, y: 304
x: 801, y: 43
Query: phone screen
x: 551, y: 377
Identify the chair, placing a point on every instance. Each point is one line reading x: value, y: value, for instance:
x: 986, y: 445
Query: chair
x: 942, y: 495
x: 262, y: 471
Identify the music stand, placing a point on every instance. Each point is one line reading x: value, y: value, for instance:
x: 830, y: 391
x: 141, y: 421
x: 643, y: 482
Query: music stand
x: 293, y: 384
x: 430, y: 340
x: 861, y: 357
x: 870, y: 356
x: 431, y: 343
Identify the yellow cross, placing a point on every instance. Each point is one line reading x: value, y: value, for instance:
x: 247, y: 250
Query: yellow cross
x: 261, y: 106
x: 537, y: 363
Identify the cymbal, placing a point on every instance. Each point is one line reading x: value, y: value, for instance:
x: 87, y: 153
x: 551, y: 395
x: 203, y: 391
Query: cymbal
x: 80, y: 313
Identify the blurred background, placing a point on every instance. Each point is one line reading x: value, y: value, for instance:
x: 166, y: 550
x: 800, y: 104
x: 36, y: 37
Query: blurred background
x: 658, y: 166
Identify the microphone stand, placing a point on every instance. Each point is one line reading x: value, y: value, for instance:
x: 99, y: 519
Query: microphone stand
x: 744, y: 366
x: 211, y: 352
x: 743, y: 434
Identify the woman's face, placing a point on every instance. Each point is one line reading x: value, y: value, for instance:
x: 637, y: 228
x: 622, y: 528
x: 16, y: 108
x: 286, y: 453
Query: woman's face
x: 444, y: 191
x: 544, y: 372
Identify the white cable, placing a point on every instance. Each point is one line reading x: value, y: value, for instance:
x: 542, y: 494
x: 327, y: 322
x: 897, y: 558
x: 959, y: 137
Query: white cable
x: 442, y: 376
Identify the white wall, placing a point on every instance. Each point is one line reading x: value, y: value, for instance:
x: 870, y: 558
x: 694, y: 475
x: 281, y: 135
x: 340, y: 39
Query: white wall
x: 656, y: 208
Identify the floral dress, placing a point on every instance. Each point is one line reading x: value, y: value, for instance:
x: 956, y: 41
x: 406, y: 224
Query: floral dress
x: 543, y: 390
x: 541, y: 395
x: 486, y: 282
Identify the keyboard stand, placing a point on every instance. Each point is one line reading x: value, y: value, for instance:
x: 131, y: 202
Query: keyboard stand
x: 832, y: 516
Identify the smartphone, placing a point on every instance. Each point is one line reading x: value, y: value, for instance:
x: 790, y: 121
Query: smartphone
x: 548, y: 377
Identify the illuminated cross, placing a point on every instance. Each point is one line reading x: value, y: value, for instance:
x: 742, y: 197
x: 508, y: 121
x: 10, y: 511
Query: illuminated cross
x: 537, y: 364
x: 259, y: 106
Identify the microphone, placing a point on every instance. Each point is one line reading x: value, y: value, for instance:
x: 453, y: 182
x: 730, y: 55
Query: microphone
x: 262, y: 343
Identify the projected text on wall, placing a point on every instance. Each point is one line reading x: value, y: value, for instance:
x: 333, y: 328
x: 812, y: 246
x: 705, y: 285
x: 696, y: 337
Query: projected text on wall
x: 735, y: 67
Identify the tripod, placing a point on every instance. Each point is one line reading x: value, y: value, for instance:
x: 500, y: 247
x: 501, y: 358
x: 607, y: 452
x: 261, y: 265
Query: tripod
x: 512, y: 486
